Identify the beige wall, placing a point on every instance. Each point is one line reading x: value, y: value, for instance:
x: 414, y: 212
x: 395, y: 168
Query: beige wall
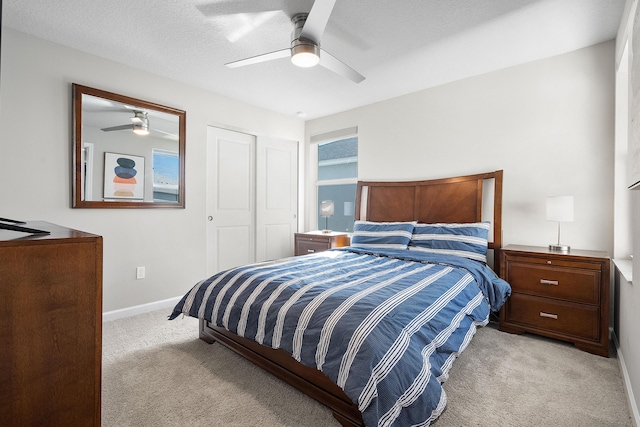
x: 549, y: 124
x: 35, y: 169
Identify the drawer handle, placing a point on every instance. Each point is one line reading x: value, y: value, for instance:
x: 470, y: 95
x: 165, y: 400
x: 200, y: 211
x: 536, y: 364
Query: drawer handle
x: 548, y: 315
x: 548, y: 282
x: 310, y: 251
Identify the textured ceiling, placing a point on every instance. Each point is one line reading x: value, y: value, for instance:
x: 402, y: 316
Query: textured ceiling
x: 399, y: 46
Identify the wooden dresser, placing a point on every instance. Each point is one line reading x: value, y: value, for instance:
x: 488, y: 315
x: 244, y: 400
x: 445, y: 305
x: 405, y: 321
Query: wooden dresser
x: 50, y: 327
x: 318, y: 241
x: 558, y: 295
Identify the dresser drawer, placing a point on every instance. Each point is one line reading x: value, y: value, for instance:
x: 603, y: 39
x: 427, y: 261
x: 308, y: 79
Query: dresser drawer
x: 310, y: 246
x: 572, y: 284
x: 577, y: 320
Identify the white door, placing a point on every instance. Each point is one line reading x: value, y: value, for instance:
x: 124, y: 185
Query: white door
x: 276, y: 197
x: 230, y: 199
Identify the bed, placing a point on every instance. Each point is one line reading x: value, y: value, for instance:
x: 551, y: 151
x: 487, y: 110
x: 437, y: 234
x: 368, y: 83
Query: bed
x: 370, y: 330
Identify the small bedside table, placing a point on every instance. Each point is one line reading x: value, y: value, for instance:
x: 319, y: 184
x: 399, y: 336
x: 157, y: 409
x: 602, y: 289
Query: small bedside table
x: 317, y: 241
x: 558, y: 295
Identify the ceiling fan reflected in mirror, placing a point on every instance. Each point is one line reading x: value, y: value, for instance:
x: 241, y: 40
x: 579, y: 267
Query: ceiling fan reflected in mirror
x: 139, y: 124
x: 305, y: 50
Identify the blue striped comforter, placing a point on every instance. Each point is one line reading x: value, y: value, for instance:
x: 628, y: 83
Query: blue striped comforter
x: 385, y: 326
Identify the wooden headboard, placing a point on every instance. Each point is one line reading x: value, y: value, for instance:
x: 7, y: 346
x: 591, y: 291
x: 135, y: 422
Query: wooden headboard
x: 458, y: 199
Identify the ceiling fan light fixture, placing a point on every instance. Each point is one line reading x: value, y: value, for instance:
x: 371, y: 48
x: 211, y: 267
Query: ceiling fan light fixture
x: 305, y: 44
x: 139, y: 117
x: 140, y: 123
x: 305, y: 55
x: 141, y: 128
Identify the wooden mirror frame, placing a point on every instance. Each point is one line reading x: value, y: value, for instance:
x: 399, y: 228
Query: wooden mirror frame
x: 77, y: 184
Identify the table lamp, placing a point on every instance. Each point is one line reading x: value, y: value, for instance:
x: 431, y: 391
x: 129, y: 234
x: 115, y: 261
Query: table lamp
x: 560, y: 209
x: 326, y: 210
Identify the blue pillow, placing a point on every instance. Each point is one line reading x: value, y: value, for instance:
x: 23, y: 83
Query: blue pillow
x: 381, y: 235
x: 468, y: 240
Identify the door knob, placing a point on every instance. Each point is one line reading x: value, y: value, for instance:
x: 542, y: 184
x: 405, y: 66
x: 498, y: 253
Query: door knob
x: 210, y: 218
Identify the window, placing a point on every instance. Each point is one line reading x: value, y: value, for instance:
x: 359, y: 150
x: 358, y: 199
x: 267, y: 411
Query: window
x: 337, y: 170
x: 622, y: 203
x: 166, y: 165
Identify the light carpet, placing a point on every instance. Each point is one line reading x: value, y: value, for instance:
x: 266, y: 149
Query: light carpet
x: 158, y: 373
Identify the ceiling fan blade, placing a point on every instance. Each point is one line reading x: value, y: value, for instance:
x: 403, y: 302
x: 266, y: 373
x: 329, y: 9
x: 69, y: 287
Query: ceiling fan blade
x: 121, y: 127
x: 260, y: 58
x: 332, y: 63
x: 317, y: 20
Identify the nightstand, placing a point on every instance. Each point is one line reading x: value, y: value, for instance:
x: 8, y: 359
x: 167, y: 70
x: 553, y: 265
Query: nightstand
x: 317, y: 241
x: 558, y: 295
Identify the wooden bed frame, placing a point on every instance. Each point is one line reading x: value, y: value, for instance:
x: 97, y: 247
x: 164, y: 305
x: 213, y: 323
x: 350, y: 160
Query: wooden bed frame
x: 459, y: 199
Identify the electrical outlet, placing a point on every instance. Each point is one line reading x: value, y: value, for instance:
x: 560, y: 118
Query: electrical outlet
x: 139, y: 273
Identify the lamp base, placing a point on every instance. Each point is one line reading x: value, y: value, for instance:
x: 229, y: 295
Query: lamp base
x: 559, y: 248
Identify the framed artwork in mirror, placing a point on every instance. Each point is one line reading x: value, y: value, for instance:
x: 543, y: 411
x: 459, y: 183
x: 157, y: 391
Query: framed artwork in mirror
x: 127, y: 153
x: 121, y: 178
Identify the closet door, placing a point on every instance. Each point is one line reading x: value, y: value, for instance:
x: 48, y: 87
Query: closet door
x: 230, y: 199
x: 276, y: 197
x: 252, y: 198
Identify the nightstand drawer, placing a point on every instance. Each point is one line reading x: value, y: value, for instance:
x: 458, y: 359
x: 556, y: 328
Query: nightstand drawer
x: 572, y: 284
x: 318, y: 241
x: 567, y: 318
x: 309, y: 246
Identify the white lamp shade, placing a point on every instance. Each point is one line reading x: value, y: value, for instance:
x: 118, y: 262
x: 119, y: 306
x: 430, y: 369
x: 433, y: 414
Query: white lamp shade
x: 560, y: 208
x: 326, y: 208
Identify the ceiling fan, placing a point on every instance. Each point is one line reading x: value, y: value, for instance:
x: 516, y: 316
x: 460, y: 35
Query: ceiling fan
x: 305, y: 48
x: 139, y: 124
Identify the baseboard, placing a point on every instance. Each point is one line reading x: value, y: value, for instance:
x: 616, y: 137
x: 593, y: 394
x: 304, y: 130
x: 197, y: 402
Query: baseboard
x: 140, y: 309
x: 635, y: 415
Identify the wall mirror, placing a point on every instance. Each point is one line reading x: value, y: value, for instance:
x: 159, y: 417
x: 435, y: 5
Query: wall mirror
x: 127, y: 153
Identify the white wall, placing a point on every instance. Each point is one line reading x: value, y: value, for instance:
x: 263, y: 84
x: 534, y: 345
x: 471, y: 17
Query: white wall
x: 628, y: 315
x: 35, y: 163
x: 549, y: 124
